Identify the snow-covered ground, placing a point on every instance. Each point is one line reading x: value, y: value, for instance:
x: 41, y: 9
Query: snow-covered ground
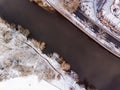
x: 32, y: 83
x: 26, y: 83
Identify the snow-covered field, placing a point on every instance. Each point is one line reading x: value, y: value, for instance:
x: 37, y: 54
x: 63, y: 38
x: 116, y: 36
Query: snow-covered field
x: 26, y: 83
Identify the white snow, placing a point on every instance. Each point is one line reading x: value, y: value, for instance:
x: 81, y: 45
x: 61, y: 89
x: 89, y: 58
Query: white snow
x: 26, y: 83
x: 32, y: 83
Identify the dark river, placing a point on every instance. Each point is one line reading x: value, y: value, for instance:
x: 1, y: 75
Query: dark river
x: 92, y: 62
